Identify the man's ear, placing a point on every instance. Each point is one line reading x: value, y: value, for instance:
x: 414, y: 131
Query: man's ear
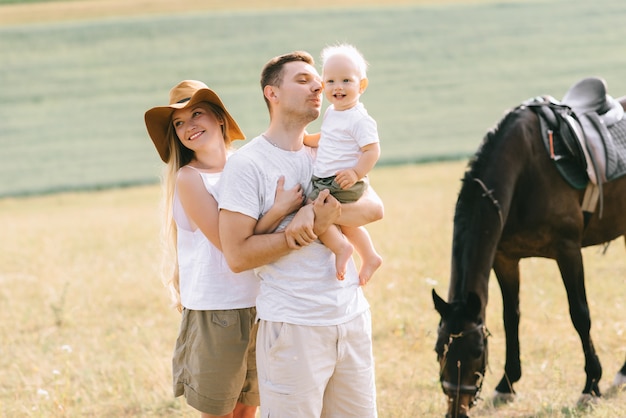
x: 363, y: 85
x: 270, y: 93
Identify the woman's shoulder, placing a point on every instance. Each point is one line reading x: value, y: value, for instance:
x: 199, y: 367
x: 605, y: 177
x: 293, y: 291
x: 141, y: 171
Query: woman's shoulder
x: 189, y: 177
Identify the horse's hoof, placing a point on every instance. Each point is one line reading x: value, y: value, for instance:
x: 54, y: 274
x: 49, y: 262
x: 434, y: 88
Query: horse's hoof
x: 587, y: 399
x: 502, y: 398
x: 620, y: 381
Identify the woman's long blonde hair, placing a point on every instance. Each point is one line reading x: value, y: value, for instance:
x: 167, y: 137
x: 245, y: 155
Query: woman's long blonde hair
x: 180, y: 156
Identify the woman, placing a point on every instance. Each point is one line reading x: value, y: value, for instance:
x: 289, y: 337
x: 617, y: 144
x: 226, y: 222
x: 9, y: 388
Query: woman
x: 214, y: 362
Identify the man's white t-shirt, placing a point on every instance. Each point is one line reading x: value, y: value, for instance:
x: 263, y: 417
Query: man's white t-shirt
x: 300, y: 287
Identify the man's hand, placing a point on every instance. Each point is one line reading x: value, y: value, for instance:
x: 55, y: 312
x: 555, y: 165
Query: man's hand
x: 312, y: 220
x: 327, y: 210
x: 299, y: 232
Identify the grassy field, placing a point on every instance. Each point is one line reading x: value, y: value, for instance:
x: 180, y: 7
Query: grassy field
x: 73, y: 92
x: 86, y: 330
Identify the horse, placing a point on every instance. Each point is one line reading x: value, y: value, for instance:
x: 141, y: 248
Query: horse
x: 515, y: 203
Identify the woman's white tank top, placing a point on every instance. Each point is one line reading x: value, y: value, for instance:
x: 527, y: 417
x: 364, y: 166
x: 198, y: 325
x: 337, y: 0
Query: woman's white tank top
x: 206, y: 281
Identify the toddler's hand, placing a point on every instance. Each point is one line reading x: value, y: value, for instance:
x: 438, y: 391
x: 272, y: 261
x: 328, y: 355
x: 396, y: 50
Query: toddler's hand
x: 346, y: 178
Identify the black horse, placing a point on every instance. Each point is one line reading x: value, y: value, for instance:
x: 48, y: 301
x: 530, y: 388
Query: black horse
x: 515, y: 202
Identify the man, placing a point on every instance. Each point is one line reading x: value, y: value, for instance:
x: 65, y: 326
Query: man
x: 314, y: 345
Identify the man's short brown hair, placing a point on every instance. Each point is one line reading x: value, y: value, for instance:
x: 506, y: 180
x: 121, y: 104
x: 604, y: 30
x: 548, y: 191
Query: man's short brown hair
x: 272, y: 74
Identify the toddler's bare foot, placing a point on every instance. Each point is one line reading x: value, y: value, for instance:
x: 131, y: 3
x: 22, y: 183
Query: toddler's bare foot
x: 341, y: 260
x: 369, y: 266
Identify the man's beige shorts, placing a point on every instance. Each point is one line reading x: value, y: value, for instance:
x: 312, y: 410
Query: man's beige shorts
x: 317, y: 371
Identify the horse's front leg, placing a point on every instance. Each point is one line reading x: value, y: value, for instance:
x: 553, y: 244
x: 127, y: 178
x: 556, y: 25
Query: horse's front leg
x: 507, y: 273
x: 570, y: 264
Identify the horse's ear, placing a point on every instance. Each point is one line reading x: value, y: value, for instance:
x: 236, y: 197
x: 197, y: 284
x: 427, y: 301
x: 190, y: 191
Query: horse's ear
x: 441, y: 305
x: 474, y: 305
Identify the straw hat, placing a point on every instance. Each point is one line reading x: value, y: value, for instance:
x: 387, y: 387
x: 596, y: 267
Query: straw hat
x: 186, y: 93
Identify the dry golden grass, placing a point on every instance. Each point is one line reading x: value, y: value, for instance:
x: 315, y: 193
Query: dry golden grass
x: 87, y: 331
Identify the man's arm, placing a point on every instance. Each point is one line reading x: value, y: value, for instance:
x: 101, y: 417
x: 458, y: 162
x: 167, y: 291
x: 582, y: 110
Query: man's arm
x: 314, y: 219
x: 369, y: 208
x: 242, y: 249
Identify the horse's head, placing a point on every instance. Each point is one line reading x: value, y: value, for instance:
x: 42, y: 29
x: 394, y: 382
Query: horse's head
x: 461, y: 352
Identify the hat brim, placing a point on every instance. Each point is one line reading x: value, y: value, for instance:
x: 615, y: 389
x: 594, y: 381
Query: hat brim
x: 158, y: 120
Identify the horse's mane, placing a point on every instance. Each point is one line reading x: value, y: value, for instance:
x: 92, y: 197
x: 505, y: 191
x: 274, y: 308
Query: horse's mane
x: 469, y: 193
x: 492, y: 138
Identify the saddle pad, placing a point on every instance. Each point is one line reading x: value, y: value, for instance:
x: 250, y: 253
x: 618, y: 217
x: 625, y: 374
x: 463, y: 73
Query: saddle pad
x: 607, y: 157
x: 616, y: 157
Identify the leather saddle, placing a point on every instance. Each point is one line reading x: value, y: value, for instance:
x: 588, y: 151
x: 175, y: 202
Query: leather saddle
x: 576, y: 133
